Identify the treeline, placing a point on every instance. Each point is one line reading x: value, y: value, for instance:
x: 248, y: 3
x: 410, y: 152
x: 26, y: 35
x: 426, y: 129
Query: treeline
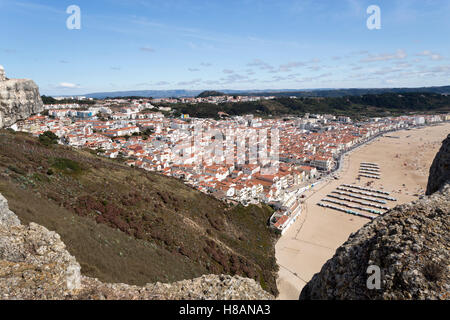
x: 128, y: 98
x: 330, y: 93
x: 370, y: 105
x: 51, y: 100
x: 206, y: 94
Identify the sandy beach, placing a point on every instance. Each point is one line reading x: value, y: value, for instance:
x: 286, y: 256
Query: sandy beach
x: 404, y: 158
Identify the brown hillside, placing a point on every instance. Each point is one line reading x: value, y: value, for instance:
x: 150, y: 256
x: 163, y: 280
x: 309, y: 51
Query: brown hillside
x: 127, y: 225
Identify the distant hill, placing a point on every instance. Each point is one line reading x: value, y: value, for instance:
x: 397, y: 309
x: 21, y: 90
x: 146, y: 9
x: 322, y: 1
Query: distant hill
x: 51, y: 100
x: 329, y: 93
x: 146, y: 94
x: 269, y: 92
x: 206, y: 94
x: 357, y: 107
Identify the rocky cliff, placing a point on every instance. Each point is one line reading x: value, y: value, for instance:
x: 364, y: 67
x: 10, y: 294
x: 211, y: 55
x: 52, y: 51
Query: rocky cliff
x: 410, y: 245
x: 440, y: 168
x: 19, y: 98
x: 34, y: 264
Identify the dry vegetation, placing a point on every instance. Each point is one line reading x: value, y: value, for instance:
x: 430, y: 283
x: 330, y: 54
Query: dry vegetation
x: 127, y: 225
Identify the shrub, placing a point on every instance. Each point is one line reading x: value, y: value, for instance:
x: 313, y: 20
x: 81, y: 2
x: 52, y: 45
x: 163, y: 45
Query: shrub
x: 433, y: 271
x: 48, y: 138
x: 16, y: 170
x: 67, y: 166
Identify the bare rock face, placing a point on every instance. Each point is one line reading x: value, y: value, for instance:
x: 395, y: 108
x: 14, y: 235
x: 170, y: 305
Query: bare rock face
x: 207, y: 287
x: 7, y: 217
x: 33, y: 261
x: 410, y: 245
x: 2, y: 74
x: 34, y: 264
x: 19, y: 98
x: 440, y: 169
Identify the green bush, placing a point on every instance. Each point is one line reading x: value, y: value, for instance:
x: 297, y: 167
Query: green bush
x: 67, y: 166
x: 16, y: 170
x: 48, y: 138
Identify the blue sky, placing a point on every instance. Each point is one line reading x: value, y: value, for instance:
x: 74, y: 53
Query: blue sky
x: 233, y: 44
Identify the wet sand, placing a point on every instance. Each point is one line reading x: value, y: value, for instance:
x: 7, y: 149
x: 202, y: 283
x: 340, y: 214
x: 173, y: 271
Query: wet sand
x: 313, y: 239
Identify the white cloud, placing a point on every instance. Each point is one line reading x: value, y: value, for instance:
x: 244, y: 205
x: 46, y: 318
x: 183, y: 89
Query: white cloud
x: 403, y: 65
x: 143, y: 84
x: 289, y: 66
x: 201, y: 46
x: 189, y: 83
x: 400, y: 54
x: 433, y: 55
x: 436, y: 57
x: 147, y: 49
x: 236, y: 78
x: 424, y: 53
x: 162, y: 83
x: 315, y: 68
x: 315, y: 60
x: 260, y: 64
x: 67, y: 85
x: 315, y: 78
x: 11, y: 51
x: 441, y: 69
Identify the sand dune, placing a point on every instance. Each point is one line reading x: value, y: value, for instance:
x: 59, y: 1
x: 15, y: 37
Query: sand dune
x: 312, y: 240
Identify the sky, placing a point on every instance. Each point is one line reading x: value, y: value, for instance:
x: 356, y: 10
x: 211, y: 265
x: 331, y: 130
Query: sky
x: 232, y: 44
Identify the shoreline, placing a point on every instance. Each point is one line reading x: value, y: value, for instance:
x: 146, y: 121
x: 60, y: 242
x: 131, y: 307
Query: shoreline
x: 318, y: 232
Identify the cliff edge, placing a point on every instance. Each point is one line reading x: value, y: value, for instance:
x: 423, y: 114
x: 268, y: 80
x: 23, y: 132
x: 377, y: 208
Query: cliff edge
x: 19, y: 98
x: 440, y: 168
x: 410, y: 245
x: 34, y: 264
